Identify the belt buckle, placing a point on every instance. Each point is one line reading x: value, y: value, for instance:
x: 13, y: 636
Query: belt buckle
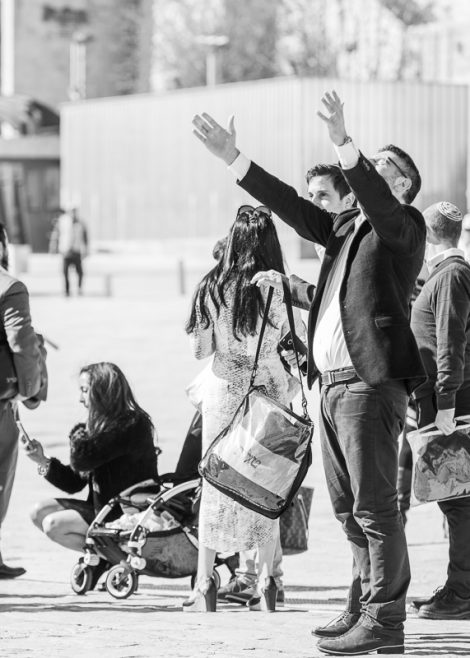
x: 328, y: 378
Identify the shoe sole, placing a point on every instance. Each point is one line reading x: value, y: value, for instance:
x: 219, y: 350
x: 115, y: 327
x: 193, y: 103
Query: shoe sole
x: 233, y: 598
x: 11, y: 577
x: 422, y: 614
x: 393, y: 649
x: 325, y: 636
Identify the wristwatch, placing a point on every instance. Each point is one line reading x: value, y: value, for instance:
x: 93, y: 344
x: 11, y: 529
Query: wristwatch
x: 43, y: 469
x: 347, y: 140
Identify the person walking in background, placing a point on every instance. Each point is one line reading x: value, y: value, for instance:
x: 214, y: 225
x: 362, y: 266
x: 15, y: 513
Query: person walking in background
x: 69, y: 238
x: 113, y: 450
x: 362, y: 348
x: 224, y: 321
x: 440, y: 320
x: 18, y: 343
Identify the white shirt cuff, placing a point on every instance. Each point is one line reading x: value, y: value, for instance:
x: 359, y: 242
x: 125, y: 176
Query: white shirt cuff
x: 240, y: 166
x: 348, y: 155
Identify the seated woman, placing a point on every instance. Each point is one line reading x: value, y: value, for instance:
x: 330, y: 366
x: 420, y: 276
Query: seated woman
x: 113, y: 450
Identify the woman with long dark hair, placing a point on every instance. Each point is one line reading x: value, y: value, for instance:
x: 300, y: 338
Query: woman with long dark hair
x: 225, y: 319
x: 113, y: 450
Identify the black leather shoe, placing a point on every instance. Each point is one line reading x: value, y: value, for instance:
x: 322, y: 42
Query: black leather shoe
x: 360, y: 639
x: 416, y: 604
x: 445, y: 604
x: 11, y: 572
x: 233, y: 587
x: 337, y: 626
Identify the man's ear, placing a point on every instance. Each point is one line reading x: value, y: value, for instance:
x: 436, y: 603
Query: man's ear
x: 405, y: 183
x: 349, y: 200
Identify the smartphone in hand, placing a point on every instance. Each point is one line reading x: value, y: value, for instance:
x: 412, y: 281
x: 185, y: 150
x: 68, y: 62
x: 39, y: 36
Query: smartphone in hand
x: 24, y: 436
x: 287, y: 343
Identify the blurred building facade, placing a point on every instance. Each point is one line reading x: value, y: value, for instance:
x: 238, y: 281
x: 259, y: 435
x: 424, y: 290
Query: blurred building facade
x: 57, y: 49
x: 368, y: 38
x: 440, y: 51
x: 137, y: 172
x: 53, y: 51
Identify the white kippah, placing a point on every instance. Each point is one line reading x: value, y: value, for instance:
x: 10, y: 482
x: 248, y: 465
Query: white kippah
x: 450, y: 211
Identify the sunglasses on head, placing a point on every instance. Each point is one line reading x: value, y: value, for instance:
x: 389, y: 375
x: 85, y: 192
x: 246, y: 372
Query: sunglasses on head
x: 382, y: 160
x: 250, y: 211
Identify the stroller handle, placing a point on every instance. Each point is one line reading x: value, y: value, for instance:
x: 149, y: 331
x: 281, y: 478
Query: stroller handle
x: 138, y: 485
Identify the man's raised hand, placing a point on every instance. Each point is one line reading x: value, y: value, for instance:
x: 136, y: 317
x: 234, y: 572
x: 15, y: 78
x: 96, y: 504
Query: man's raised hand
x: 335, y: 120
x: 218, y: 140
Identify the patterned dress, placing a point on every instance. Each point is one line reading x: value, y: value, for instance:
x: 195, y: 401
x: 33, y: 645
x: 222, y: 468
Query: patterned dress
x: 224, y: 524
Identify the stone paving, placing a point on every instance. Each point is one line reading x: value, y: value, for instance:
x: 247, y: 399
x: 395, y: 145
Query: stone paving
x: 140, y: 328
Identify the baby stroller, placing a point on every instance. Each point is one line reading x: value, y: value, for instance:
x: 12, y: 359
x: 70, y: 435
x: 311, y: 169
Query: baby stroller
x: 165, y: 550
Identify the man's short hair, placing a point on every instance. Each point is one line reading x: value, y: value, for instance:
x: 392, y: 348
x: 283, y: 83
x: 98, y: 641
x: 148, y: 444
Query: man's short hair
x: 334, y: 172
x: 445, y: 221
x: 410, y: 168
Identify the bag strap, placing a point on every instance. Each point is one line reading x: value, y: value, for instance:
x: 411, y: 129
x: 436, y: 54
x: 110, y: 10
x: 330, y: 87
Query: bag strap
x: 290, y: 318
x: 261, y: 334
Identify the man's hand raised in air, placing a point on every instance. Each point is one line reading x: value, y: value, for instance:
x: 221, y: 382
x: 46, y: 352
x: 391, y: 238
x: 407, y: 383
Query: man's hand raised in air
x: 335, y: 120
x: 217, y: 140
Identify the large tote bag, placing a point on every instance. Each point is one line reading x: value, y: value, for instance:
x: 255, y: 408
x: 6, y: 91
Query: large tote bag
x: 260, y: 459
x: 441, y: 464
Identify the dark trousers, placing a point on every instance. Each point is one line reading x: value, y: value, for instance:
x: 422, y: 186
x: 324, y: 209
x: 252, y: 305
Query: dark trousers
x: 457, y: 512
x: 8, y: 455
x: 360, y: 426
x: 72, y: 259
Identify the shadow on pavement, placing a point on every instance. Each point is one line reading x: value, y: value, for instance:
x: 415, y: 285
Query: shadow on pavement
x: 113, y: 607
x: 445, y: 644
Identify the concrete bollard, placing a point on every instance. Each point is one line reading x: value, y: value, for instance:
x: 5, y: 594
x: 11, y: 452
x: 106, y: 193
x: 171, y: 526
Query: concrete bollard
x: 181, y: 277
x: 108, y: 288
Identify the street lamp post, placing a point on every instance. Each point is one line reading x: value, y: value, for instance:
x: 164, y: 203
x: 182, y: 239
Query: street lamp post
x: 213, y: 43
x: 77, y: 76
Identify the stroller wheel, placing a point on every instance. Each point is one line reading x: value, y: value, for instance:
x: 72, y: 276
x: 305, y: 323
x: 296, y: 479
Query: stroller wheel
x: 215, y: 576
x: 120, y: 582
x: 81, y: 578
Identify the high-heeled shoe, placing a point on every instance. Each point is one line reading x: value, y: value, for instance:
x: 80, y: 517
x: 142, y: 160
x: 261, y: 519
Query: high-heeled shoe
x: 266, y: 599
x: 203, y: 598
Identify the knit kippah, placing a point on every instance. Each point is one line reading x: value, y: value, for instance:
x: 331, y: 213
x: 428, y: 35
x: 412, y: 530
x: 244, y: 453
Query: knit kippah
x: 450, y: 211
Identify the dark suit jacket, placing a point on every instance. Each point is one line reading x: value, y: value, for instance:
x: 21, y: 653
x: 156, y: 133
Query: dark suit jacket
x: 383, y: 264
x: 17, y: 333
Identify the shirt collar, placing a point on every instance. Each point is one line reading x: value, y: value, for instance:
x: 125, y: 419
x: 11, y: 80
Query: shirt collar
x: 435, y: 260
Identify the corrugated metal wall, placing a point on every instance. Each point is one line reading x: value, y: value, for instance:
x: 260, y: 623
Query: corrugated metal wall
x: 136, y: 171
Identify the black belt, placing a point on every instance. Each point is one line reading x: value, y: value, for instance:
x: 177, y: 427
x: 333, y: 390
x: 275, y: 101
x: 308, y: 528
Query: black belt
x: 336, y: 376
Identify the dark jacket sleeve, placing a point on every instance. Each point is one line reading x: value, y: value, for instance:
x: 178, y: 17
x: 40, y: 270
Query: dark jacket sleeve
x: 310, y: 222
x: 21, y: 338
x: 302, y: 292
x: 451, y: 307
x: 64, y: 477
x: 400, y: 227
x: 89, y: 452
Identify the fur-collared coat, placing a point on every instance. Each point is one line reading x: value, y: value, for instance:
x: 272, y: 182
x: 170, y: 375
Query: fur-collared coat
x: 108, y: 462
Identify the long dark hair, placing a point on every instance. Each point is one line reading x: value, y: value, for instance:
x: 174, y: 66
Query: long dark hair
x: 4, y: 243
x: 252, y: 246
x: 111, y: 401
